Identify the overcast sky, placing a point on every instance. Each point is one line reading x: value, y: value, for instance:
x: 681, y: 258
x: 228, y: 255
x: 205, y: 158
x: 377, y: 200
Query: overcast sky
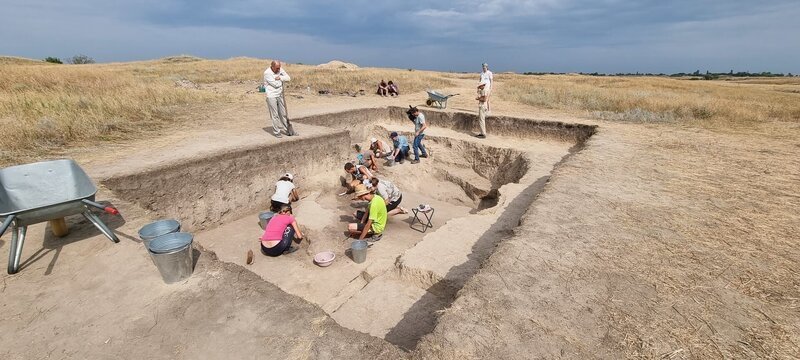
x: 458, y: 35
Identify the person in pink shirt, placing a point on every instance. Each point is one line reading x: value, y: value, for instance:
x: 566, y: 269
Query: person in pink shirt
x: 279, y: 233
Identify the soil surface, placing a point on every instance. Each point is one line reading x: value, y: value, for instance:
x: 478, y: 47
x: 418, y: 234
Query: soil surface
x: 652, y: 241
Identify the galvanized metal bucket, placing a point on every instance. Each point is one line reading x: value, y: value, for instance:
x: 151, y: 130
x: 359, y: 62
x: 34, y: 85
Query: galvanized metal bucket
x: 263, y: 218
x: 358, y: 249
x: 156, y: 229
x: 172, y: 255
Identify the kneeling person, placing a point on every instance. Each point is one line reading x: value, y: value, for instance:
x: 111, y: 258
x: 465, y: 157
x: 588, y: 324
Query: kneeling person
x: 373, y: 221
x: 279, y: 233
x: 391, y: 194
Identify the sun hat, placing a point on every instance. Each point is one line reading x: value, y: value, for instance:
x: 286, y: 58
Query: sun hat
x: 289, y: 176
x: 361, y: 190
x: 372, y: 140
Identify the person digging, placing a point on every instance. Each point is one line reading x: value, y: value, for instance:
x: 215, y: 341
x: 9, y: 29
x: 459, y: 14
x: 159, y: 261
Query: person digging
x: 372, y: 221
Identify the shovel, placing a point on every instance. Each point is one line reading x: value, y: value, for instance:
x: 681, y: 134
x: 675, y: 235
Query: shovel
x: 289, y: 127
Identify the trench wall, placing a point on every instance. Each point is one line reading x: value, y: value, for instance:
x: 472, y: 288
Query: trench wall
x: 206, y: 192
x: 355, y: 121
x: 503, y: 125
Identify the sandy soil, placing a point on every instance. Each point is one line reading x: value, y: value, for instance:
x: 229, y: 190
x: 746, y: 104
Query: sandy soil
x: 652, y: 241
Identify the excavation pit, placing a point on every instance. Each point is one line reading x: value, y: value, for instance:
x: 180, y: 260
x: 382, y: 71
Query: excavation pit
x: 479, y: 188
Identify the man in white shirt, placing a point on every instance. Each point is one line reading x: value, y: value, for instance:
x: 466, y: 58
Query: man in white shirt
x: 488, y: 78
x: 274, y: 77
x: 482, y: 99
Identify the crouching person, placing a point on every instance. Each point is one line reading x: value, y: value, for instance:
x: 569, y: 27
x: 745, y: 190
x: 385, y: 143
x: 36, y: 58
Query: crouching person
x: 390, y: 194
x: 285, y: 193
x: 360, y: 175
x: 373, y: 221
x: 279, y: 233
x: 401, y: 147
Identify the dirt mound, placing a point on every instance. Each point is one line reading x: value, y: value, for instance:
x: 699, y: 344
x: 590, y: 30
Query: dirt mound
x: 336, y: 64
x: 180, y: 59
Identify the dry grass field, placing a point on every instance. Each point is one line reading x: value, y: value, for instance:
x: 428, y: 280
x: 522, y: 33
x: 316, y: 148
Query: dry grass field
x: 46, y: 107
x: 708, y: 104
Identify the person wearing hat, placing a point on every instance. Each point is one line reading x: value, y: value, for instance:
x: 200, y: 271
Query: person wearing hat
x: 401, y: 147
x: 488, y: 78
x: 482, y: 108
x: 373, y: 221
x: 379, y: 147
x: 285, y: 193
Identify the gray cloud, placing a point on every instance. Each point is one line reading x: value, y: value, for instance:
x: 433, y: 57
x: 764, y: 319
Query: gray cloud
x: 528, y: 35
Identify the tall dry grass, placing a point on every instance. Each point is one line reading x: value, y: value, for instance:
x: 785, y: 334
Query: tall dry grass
x: 46, y: 107
x: 202, y: 71
x: 710, y: 104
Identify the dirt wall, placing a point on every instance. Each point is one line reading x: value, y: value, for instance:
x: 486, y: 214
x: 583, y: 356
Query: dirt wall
x: 206, y: 192
x: 499, y: 165
x: 355, y: 121
x: 503, y: 125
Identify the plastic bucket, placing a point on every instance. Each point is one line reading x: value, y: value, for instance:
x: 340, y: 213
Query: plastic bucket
x: 263, y: 218
x: 156, y: 229
x: 172, y: 255
x: 358, y: 249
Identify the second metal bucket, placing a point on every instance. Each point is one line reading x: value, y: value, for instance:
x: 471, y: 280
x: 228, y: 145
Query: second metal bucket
x: 156, y: 229
x: 263, y: 218
x: 358, y: 249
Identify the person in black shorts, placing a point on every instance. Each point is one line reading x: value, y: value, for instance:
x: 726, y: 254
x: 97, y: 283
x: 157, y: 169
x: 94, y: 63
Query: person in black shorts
x: 391, y: 193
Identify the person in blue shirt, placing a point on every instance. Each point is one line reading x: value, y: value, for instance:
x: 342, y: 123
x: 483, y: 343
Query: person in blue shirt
x: 401, y: 147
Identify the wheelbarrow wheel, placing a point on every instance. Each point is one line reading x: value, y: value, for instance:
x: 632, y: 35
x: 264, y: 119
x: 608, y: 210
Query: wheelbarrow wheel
x: 428, y: 102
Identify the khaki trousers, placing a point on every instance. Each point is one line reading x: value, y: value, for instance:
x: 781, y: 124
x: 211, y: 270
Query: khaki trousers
x: 277, y: 111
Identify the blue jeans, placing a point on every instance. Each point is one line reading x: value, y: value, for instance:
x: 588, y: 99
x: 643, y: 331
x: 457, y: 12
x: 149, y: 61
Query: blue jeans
x: 418, y: 146
x: 402, y: 154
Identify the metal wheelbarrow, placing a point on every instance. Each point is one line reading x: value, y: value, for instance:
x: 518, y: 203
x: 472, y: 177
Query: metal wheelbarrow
x: 43, y: 191
x: 435, y: 97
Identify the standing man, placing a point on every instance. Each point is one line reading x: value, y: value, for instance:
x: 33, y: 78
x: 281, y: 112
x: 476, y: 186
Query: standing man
x: 488, y: 77
x: 482, y: 108
x: 419, y: 133
x: 274, y: 77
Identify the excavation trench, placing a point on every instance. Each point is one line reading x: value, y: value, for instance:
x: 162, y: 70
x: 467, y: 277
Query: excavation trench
x: 478, y: 188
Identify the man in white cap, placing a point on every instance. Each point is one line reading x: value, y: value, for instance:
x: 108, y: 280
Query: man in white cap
x: 274, y: 77
x: 380, y: 148
x: 483, y: 102
x: 488, y: 78
x: 285, y: 193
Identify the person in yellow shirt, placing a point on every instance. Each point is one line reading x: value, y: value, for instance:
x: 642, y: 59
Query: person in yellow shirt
x: 373, y: 221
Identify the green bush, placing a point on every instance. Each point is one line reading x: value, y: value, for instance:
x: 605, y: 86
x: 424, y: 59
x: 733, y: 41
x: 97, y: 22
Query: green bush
x: 53, y: 60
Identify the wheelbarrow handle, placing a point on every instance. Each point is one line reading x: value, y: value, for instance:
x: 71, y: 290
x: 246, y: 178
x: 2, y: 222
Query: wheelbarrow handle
x: 6, y: 224
x: 109, y: 209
